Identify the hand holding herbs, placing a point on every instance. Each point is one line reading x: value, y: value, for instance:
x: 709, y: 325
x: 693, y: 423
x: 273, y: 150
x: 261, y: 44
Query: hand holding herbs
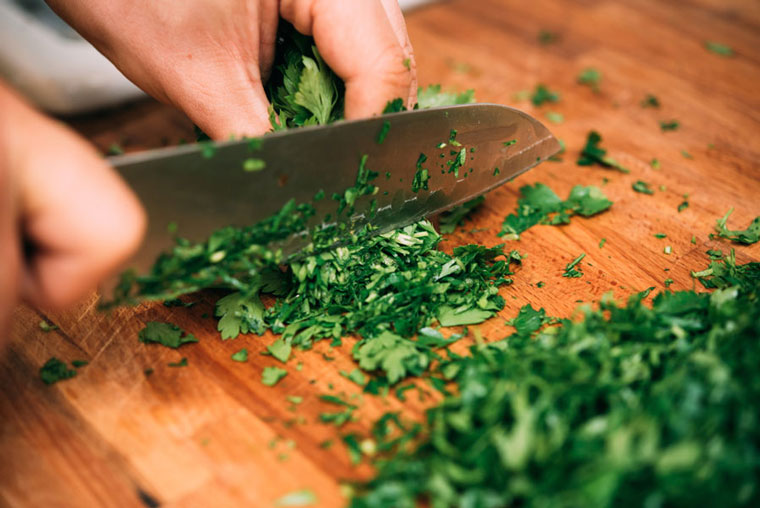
x: 213, y: 58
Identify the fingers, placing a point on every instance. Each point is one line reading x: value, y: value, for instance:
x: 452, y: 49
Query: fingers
x: 358, y: 41
x: 396, y: 18
x: 81, y: 220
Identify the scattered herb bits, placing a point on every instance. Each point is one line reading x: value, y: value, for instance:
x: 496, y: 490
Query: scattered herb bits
x: 542, y: 95
x: 669, y: 125
x: 593, y: 153
x: 590, y: 77
x: 55, y: 370
x: 166, y: 334
x: 719, y: 49
x: 270, y: 376
x: 642, y: 187
x: 573, y: 269
x: 746, y: 236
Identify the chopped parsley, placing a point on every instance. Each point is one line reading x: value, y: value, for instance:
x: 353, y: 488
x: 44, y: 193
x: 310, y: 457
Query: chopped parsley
x: 55, y: 370
x: 166, y: 334
x: 547, y: 37
x: 683, y: 206
x: 542, y: 95
x: 554, y: 117
x: 383, y: 132
x: 660, y: 235
x: 422, y: 175
x: 686, y: 155
x: 181, y: 363
x: 602, y: 242
x: 304, y: 497
x: 593, y: 153
x: 590, y: 77
x: 642, y: 187
x: 718, y: 48
x: 47, y: 327
x: 270, y: 376
x: 573, y: 269
x: 670, y: 125
x: 539, y: 204
x: 253, y: 165
x: 650, y: 101
x: 746, y: 236
x: 240, y: 356
x: 655, y: 163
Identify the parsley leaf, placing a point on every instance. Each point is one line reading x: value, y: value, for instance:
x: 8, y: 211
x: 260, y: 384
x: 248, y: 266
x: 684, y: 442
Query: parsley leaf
x: 270, y: 376
x: 55, y: 370
x: 590, y: 77
x: 433, y: 97
x: 747, y: 236
x: 542, y: 95
x: 593, y: 153
x: 719, y: 49
x: 642, y: 187
x: 240, y: 356
x: 573, y: 269
x: 166, y: 334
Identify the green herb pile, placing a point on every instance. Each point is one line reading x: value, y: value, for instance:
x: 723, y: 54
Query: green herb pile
x: 631, y: 406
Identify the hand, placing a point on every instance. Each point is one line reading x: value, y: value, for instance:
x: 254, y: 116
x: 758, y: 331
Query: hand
x: 78, y: 219
x: 209, y: 57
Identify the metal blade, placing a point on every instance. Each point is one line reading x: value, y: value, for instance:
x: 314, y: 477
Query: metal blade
x: 201, y: 194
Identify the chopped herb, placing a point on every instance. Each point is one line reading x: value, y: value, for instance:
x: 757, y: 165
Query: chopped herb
x: 642, y: 187
x: 271, y: 375
x: 240, y: 356
x: 747, y: 236
x: 181, y: 363
x: 694, y: 240
x: 47, y: 327
x: 421, y: 176
x: 148, y: 371
x: 554, y: 117
x: 407, y: 63
x: 303, y: 497
x: 655, y: 164
x: 602, y: 242
x: 538, y: 204
x: 572, y: 269
x: 670, y: 125
x: 540, y: 284
x: 383, y: 132
x: 55, y: 370
x: 719, y: 49
x: 660, y: 235
x: 668, y: 282
x: 252, y: 164
x: 650, y: 101
x: 166, y: 334
x: 432, y: 97
x: 450, y: 219
x: 114, y: 149
x: 496, y: 171
x: 280, y: 349
x: 208, y: 149
x: 510, y: 142
x: 590, y: 77
x: 355, y: 376
x: 546, y: 37
x: 594, y: 154
x: 79, y: 363
x: 686, y: 154
x: 683, y: 206
x: 668, y: 249
x: 542, y: 95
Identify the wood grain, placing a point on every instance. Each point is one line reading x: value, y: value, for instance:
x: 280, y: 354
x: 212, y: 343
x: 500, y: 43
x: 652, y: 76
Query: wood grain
x: 211, y: 434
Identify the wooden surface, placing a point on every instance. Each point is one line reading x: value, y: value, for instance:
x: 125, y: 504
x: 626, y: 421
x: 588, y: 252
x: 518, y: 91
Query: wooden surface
x: 211, y: 434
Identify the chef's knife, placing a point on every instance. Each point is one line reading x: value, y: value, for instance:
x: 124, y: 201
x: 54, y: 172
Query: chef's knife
x: 200, y: 188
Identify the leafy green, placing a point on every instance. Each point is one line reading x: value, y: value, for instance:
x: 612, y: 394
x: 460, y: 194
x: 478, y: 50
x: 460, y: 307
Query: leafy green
x: 240, y: 356
x: 573, y: 269
x: 55, y: 370
x: 723, y: 272
x: 433, y: 97
x: 47, y: 327
x: 719, y: 49
x: 632, y: 405
x: 304, y: 497
x: 181, y: 363
x: 670, y: 125
x: 270, y: 376
x: 384, y: 130
x: 747, y: 236
x: 543, y: 95
x: 539, y: 204
x: 650, y: 101
x: 590, y: 77
x: 594, y: 154
x: 450, y: 219
x: 166, y: 334
x: 642, y: 187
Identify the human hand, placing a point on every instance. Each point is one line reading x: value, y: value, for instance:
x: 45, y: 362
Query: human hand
x: 210, y: 57
x: 61, y: 203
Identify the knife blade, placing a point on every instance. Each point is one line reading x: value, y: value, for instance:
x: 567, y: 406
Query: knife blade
x: 200, y: 188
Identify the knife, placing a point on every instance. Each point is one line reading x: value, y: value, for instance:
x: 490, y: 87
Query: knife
x: 200, y: 188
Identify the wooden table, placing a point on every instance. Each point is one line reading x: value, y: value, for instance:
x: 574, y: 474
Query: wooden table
x: 211, y: 434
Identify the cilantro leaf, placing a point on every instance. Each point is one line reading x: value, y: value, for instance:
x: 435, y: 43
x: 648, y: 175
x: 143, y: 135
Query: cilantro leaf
x: 590, y: 77
x: 270, y: 376
x: 747, y: 236
x: 573, y: 269
x: 166, y: 334
x: 240, y: 356
x: 593, y: 153
x: 55, y: 370
x: 642, y: 187
x: 543, y: 95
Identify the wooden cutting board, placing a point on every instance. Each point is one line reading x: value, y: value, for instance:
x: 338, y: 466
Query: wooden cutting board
x: 211, y: 434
